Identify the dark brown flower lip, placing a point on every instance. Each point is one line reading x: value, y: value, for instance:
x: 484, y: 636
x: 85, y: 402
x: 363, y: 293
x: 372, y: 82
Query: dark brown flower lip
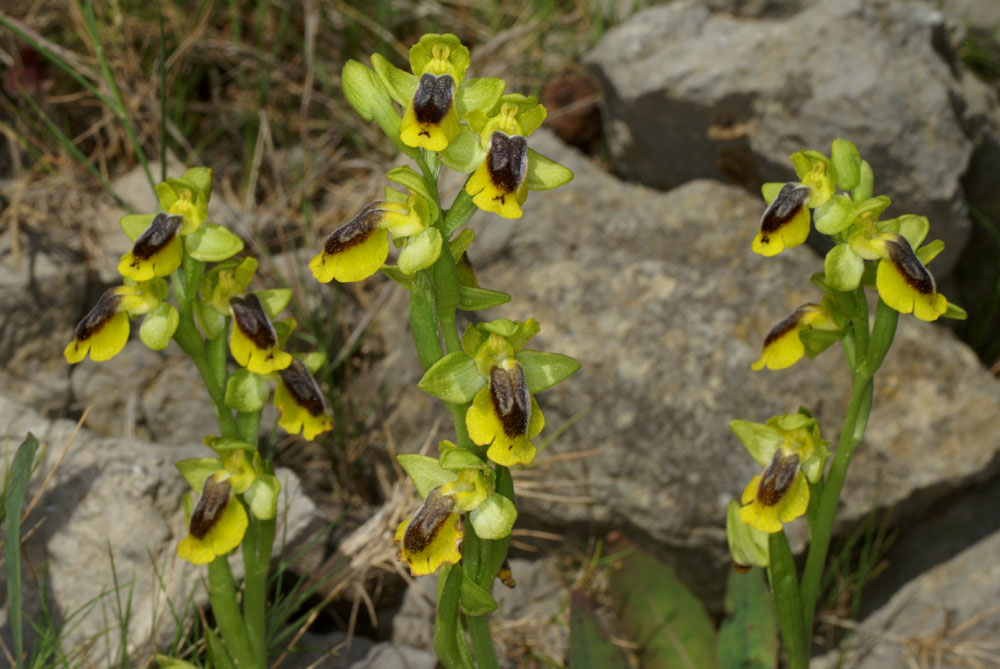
x: 303, y: 387
x: 434, y: 98
x: 354, y: 232
x: 99, y: 316
x: 160, y: 232
x: 428, y: 521
x: 507, y: 161
x: 777, y: 478
x: 252, y: 321
x: 789, y: 202
x: 511, y: 399
x: 902, y: 256
x: 787, y: 324
x: 210, y: 507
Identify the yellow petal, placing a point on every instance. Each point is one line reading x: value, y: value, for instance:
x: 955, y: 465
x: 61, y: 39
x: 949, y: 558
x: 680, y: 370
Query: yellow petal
x: 433, y: 536
x: 906, y: 285
x: 355, y: 259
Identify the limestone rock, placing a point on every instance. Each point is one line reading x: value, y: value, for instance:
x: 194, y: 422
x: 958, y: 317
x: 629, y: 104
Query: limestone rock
x: 692, y: 94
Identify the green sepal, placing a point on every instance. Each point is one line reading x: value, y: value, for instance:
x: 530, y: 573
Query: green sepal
x: 866, y: 186
x: 793, y: 421
x: 165, y: 194
x: 465, y: 152
x: 472, y: 339
x: 843, y: 268
x: 955, y: 312
x: 201, y: 179
x: 425, y: 472
x: 400, y: 84
x: 481, y: 93
x: 454, y: 379
x: 747, y: 544
x: 197, y: 470
x: 397, y: 275
x: 516, y: 333
x: 494, y: 518
x: 246, y: 391
x: 544, y: 370
x: 313, y: 361
x: 476, y: 600
x: 136, y: 224
x: 771, y: 189
x: 262, y: 496
x: 835, y: 215
x: 761, y: 441
x: 422, y: 53
x: 420, y: 251
x: 544, y: 174
x: 226, y: 447
x: 212, y: 242
x: 817, y: 341
x: 273, y: 300
x: 284, y: 329
x: 846, y: 163
x: 872, y: 207
x: 471, y: 298
x: 158, y: 326
x: 211, y: 321
x: 412, y: 181
x: 930, y: 251
x: 356, y: 82
x: 914, y: 228
x: 454, y: 458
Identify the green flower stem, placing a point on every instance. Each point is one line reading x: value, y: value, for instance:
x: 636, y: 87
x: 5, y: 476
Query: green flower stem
x: 222, y: 595
x: 217, y: 350
x: 190, y: 341
x: 257, y: 545
x: 459, y: 213
x: 423, y: 325
x: 482, y: 641
x: 850, y: 436
x: 248, y: 426
x: 883, y: 332
x: 860, y: 322
x: 787, y: 601
x: 446, y: 628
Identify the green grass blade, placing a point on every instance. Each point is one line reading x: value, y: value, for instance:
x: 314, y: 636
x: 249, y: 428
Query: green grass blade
x: 13, y: 502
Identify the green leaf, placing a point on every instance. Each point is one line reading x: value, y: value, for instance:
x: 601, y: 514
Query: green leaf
x: 246, y: 391
x: 471, y: 298
x: 667, y: 622
x: 158, y: 326
x: 15, y: 489
x: 589, y: 647
x: 454, y: 379
x: 544, y: 370
x: 273, y: 300
x: 212, y: 242
x: 136, y: 224
x: 843, y: 268
x: 494, y: 518
x: 200, y: 178
x: 356, y: 83
x: 476, y: 600
x: 425, y: 472
x: 544, y: 173
x: 748, y: 638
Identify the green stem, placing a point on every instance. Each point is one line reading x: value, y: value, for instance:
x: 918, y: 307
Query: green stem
x: 257, y: 545
x: 851, y: 433
x: 248, y: 427
x: 222, y: 595
x: 446, y: 627
x: 784, y: 584
x: 423, y: 325
x: 482, y: 641
x: 190, y: 341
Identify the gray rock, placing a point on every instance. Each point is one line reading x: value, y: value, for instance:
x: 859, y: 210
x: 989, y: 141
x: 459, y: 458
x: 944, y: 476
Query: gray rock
x: 120, y: 499
x: 947, y: 617
x: 660, y: 298
x: 691, y: 94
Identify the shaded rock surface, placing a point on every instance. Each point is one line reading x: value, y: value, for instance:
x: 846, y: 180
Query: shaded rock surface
x: 734, y: 96
x: 947, y: 617
x: 120, y: 499
x: 661, y: 300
